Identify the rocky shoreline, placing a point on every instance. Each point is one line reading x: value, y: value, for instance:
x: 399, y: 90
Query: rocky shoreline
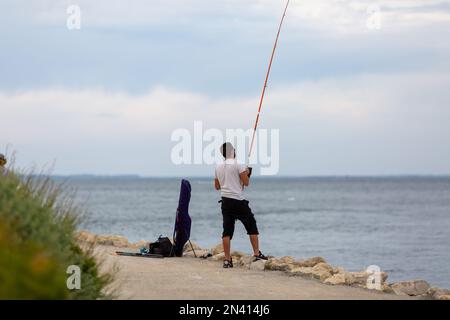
x: 312, y: 268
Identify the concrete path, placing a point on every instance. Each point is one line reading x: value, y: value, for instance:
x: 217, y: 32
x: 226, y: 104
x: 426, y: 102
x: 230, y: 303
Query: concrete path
x: 189, y: 278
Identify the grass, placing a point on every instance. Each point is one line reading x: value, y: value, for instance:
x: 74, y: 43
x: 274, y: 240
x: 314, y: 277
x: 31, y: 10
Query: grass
x: 38, y: 222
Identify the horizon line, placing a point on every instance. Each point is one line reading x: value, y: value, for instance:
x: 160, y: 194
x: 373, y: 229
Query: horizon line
x: 138, y: 176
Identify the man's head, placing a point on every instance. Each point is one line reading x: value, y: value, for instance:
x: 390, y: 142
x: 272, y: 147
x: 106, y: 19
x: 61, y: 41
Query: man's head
x: 228, y: 151
x: 2, y: 160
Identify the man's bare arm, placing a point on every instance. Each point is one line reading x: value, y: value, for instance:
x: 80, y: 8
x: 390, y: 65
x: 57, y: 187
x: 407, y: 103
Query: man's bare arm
x: 217, y: 184
x: 244, y: 178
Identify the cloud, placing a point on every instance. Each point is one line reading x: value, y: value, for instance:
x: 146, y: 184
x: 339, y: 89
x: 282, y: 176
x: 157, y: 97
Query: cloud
x: 217, y: 49
x: 403, y: 115
x: 342, y: 16
x: 373, y: 99
x: 331, y: 15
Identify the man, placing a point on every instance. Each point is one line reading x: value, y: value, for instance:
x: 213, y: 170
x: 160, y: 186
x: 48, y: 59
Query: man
x: 2, y: 164
x: 230, y: 179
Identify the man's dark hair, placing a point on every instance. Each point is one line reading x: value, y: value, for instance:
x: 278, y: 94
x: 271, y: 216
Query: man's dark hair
x: 227, y: 150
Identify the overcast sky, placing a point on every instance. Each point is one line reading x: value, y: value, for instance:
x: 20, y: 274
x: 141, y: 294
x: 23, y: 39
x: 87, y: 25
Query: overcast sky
x: 105, y: 99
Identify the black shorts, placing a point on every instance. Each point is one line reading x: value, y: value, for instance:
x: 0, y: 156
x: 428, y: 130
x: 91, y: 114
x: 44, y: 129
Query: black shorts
x: 233, y: 210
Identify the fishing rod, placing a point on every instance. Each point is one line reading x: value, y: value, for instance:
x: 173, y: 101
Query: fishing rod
x: 255, y: 127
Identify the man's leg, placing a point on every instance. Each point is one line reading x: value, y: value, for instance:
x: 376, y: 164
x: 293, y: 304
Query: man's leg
x: 254, y: 240
x: 248, y: 219
x: 228, y: 230
x: 226, y: 241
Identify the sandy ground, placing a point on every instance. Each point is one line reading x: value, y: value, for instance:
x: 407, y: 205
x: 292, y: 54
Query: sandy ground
x: 191, y: 279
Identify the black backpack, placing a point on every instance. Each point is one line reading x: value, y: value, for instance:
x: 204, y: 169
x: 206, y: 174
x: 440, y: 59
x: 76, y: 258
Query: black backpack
x: 162, y: 246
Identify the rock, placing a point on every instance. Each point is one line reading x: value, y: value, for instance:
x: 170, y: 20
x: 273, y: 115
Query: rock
x: 323, y: 266
x: 116, y: 241
x: 374, y: 285
x: 338, y: 270
x: 187, y: 247
x: 140, y: 244
x: 120, y: 242
x: 272, y: 264
x: 105, y: 241
x: 336, y: 279
x: 217, y: 249
x: 322, y: 271
x: 238, y: 254
x: 436, y: 293
x: 258, y: 265
x: 246, y: 261
x: 235, y: 255
x: 199, y: 253
x: 444, y: 297
x: 411, y: 288
x: 86, y: 237
x: 341, y: 278
x: 360, y: 278
x: 287, y: 260
x: 279, y: 265
x: 311, y: 262
x: 387, y: 288
x: 236, y: 260
x: 301, y: 271
x: 218, y: 257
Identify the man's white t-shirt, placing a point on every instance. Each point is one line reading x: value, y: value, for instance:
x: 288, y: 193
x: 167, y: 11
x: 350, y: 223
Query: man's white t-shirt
x: 230, y: 182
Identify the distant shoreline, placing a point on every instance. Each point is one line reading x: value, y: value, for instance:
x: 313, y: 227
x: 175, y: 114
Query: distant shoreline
x: 318, y: 177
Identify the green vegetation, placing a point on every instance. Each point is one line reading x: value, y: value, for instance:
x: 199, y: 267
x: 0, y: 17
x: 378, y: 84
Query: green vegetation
x: 37, y: 243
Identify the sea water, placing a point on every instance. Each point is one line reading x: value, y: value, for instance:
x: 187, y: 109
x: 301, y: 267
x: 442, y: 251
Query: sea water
x: 401, y: 224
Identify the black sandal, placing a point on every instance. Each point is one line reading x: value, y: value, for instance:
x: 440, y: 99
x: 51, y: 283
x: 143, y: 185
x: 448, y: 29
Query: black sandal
x: 228, y: 264
x: 260, y: 256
